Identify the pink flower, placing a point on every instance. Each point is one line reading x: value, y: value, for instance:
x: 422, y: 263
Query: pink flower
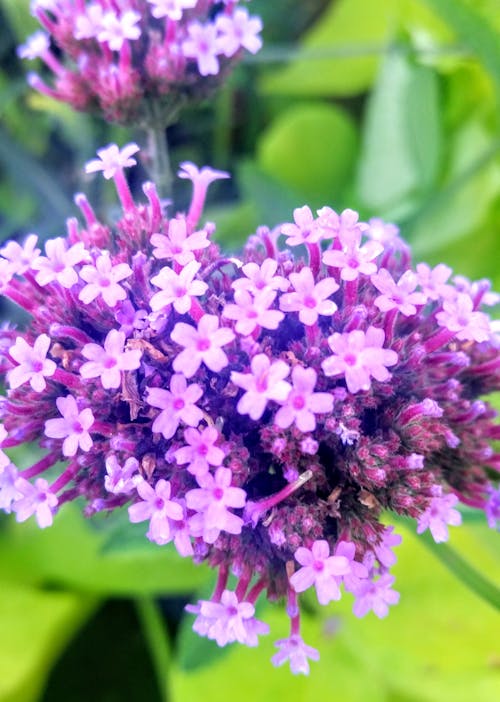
x: 177, y: 289
x: 458, y: 316
x: 177, y: 405
x: 109, y: 361
x: 35, y: 46
x: 21, y: 257
x: 9, y: 485
x: 438, y: 515
x: 294, y: 650
x: 302, y: 403
x: 58, y: 265
x: 319, y: 569
x: 116, y: 29
x: 89, y: 24
x: 265, y: 382
x: 103, y: 279
x: 37, y: 499
x: 211, y: 502
x: 202, y: 345
x: 177, y: 245
x: 119, y: 479
x: 112, y: 159
x: 171, y: 8
x: 259, y: 278
x: 73, y: 427
x: 252, y: 312
x: 230, y: 620
x: 344, y: 226
x: 203, y: 46
x: 359, y: 355
x: 309, y: 299
x: 375, y: 595
x: 201, y: 451
x: 237, y: 31
x: 383, y: 232
x: 33, y: 366
x: 353, y: 259
x: 433, y: 281
x: 400, y: 295
x: 200, y: 177
x: 305, y: 230
x: 156, y: 506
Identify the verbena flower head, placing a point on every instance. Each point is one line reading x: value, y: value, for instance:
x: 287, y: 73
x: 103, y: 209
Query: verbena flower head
x: 259, y: 413
x: 138, y: 60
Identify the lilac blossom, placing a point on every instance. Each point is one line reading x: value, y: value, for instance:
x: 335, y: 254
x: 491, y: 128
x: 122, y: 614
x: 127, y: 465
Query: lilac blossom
x: 399, y: 296
x: 354, y: 258
x: 320, y: 569
x: 251, y: 312
x: 172, y: 9
x: 302, y: 403
x: 112, y: 159
x: 309, y: 299
x: 33, y: 365
x: 439, y: 514
x: 258, y: 278
x: 73, y: 427
x: 121, y: 479
x: 36, y: 499
x: 239, y: 30
x: 200, y: 452
x: 177, y: 405
x: 103, y: 279
x: 21, y: 256
x: 265, y: 382
x: 9, y: 486
x: 358, y: 356
x: 434, y: 281
x: 58, y: 265
x: 178, y: 244
x: 177, y: 289
x: 109, y: 361
x: 229, y: 620
x: 492, y: 508
x: 383, y: 550
x: 156, y: 506
x: 296, y: 652
x: 375, y: 595
x: 305, y: 230
x: 203, y: 46
x: 201, y: 345
x: 211, y: 502
x: 116, y: 29
x: 458, y: 316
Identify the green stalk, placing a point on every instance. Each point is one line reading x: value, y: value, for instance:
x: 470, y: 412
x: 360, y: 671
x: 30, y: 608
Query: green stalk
x: 160, y: 161
x: 157, y: 640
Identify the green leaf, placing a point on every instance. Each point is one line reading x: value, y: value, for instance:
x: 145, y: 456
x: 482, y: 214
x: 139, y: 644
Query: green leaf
x: 439, y: 644
x: 272, y: 201
x: 401, y: 149
x: 35, y: 627
x: 19, y: 17
x: 70, y: 554
x: 311, y: 148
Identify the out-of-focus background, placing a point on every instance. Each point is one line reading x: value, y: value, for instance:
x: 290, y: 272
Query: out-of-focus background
x: 390, y: 107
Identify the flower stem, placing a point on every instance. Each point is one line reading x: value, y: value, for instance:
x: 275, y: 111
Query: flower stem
x: 161, y: 171
x: 157, y: 640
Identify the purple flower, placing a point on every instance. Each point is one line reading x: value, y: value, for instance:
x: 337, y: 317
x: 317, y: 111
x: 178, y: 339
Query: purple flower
x: 302, y: 403
x: 9, y: 486
x: 434, y: 281
x: 237, y: 31
x: 116, y: 29
x: 177, y: 405
x: 21, y: 257
x: 121, y: 479
x: 33, y: 366
x: 265, y: 382
x: 397, y: 296
x: 201, y: 452
x: 156, y: 506
x: 171, y: 8
x: 228, y: 620
x: 358, y: 356
x: 211, y: 502
x: 310, y: 299
x: 383, y: 550
x: 305, y: 230
x: 354, y: 258
x: 201, y: 345
x: 58, y: 265
x: 375, y: 595
x: 294, y: 650
x: 103, y: 279
x: 251, y: 312
x: 203, y: 45
x: 458, y: 316
x: 258, y: 278
x: 177, y: 289
x: 438, y: 515
x: 319, y: 569
x: 108, y: 362
x: 113, y: 159
x: 36, y: 499
x: 73, y: 427
x: 178, y: 244
x: 492, y: 508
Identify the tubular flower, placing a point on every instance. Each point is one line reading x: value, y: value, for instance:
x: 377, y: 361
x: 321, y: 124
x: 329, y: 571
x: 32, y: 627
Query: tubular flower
x: 121, y: 58
x: 259, y: 412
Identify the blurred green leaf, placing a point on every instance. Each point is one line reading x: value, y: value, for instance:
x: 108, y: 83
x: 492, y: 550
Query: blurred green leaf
x: 273, y: 202
x: 311, y: 147
x: 70, y: 554
x: 402, y: 143
x: 19, y: 17
x: 35, y: 627
x: 439, y: 644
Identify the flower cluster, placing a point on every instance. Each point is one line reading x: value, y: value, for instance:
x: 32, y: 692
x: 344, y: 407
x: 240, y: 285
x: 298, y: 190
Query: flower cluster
x: 258, y: 412
x: 138, y: 61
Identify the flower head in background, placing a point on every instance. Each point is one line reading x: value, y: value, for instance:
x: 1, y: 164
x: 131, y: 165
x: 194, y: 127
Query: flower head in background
x: 260, y: 413
x: 138, y: 61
